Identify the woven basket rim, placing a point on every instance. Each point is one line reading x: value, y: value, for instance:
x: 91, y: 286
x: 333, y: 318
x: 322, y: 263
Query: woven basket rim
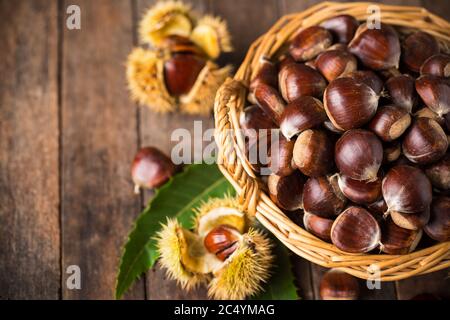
x: 231, y: 99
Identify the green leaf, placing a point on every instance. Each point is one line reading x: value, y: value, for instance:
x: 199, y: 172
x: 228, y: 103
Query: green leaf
x: 176, y: 198
x: 281, y: 285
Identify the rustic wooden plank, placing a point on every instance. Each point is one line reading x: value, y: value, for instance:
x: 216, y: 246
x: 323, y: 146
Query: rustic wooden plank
x: 155, y: 130
x: 247, y: 20
x: 437, y: 283
x: 99, y: 138
x: 29, y: 191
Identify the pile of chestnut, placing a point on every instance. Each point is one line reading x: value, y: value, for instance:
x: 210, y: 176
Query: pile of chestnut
x: 364, y: 116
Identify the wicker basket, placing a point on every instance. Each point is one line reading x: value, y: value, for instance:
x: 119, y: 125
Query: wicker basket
x: 230, y: 101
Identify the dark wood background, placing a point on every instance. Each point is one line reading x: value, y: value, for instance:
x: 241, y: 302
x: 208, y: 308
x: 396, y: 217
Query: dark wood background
x: 68, y: 132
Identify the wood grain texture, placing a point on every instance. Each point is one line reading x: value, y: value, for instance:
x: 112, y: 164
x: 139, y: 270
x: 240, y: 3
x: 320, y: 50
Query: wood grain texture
x: 99, y: 139
x: 156, y: 130
x: 29, y: 228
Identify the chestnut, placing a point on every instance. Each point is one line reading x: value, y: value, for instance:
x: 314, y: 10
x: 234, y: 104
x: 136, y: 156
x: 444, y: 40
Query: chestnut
x: 333, y: 64
x: 338, y: 285
x: 436, y: 65
x: 318, y: 226
x: 426, y: 112
x: 360, y: 192
x: 438, y: 228
x: 355, y: 231
x: 392, y: 151
x: 301, y: 114
x: 313, y: 153
x: 417, y: 48
x: 222, y: 241
x: 397, y: 240
x: 322, y: 197
x: 281, y: 162
x: 252, y: 119
x: 267, y: 73
x: 378, y: 49
x: 359, y: 154
x: 439, y: 173
x: 390, y: 122
x: 378, y: 208
x: 425, y: 141
x: 297, y: 80
x: 181, y: 72
x: 309, y: 42
x: 435, y: 92
x: 287, y: 191
x: 406, y: 189
x: 349, y: 104
x: 270, y: 101
x: 151, y: 168
x: 411, y: 221
x: 402, y: 92
x: 369, y: 78
x: 342, y: 27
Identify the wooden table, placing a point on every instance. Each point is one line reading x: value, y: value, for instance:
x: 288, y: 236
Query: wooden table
x: 68, y: 132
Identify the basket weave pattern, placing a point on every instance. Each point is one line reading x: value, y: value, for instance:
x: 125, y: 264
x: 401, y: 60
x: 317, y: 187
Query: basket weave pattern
x: 231, y: 99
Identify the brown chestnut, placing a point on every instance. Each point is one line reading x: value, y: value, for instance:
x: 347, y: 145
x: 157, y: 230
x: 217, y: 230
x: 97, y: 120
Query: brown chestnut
x: 297, y: 80
x: 322, y: 197
x: 333, y: 64
x: 411, y: 221
x: 313, y: 153
x: 270, y: 101
x: 252, y: 119
x: 342, y: 27
x: 349, y: 104
x: 267, y: 73
x: 301, y: 114
x: 281, y: 162
x: 318, y: 226
x: 392, y: 151
x: 426, y: 112
x: 406, y: 189
x: 309, y: 42
x: 438, y: 228
x: 359, y: 154
x: 369, y: 78
x: 356, y: 231
x: 435, y: 92
x: 287, y: 191
x: 378, y: 49
x: 360, y: 192
x: 181, y: 72
x: 425, y: 141
x: 378, y: 208
x: 222, y: 241
x: 402, y: 92
x: 437, y: 65
x: 390, y: 122
x: 396, y: 240
x: 439, y: 173
x: 417, y: 48
x: 151, y: 168
x: 338, y: 285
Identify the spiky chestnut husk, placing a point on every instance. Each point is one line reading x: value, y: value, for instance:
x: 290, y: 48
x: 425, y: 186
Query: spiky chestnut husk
x: 164, y: 19
x: 172, y: 246
x: 220, y: 211
x: 145, y: 76
x: 245, y: 270
x: 212, y: 35
x: 200, y: 100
